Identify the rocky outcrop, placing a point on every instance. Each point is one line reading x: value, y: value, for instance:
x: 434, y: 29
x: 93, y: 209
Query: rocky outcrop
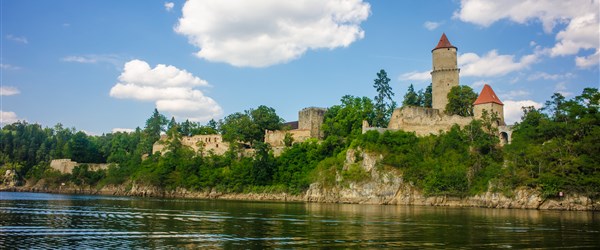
x: 386, y: 186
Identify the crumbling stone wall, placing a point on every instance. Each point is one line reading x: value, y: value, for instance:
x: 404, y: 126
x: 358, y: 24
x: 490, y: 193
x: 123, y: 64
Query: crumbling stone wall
x: 208, y: 143
x: 424, y: 121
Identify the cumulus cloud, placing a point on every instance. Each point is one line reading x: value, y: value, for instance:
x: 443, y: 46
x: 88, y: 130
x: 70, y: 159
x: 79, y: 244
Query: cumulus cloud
x: 588, y: 61
x: 581, y: 31
x: 416, y: 76
x: 19, y: 39
x: 8, y: 117
x: 513, y: 110
x: 269, y: 32
x: 431, y: 25
x: 172, y: 90
x: 169, y: 6
x: 8, y: 90
x: 492, y: 64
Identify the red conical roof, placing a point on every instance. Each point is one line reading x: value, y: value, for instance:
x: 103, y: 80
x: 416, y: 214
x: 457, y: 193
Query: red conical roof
x: 487, y: 95
x: 444, y: 43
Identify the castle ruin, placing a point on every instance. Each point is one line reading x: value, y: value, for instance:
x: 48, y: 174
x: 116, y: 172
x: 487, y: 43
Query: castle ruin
x: 213, y: 144
x: 444, y: 76
x: 309, y: 125
x: 66, y: 166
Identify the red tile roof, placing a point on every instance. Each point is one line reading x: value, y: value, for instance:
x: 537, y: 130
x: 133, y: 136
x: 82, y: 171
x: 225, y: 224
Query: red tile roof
x: 444, y: 43
x: 487, y: 95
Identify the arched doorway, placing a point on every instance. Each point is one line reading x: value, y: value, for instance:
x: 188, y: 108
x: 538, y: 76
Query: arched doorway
x: 503, y: 138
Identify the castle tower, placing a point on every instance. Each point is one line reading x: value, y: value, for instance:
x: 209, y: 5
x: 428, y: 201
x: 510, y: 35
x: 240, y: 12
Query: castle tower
x: 445, y: 71
x: 487, y: 100
x: 312, y: 119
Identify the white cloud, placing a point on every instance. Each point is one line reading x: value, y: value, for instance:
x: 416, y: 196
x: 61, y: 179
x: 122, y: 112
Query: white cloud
x: 492, y: 64
x: 8, y: 90
x: 123, y: 130
x: 478, y: 84
x: 8, y: 67
x: 546, y: 76
x: 19, y: 39
x: 513, y: 94
x: 269, y: 32
x: 581, y: 31
x: 92, y: 58
x: 513, y: 109
x: 8, y: 117
x: 172, y: 90
x: 562, y: 88
x: 79, y: 59
x: 416, y: 76
x: 588, y: 61
x: 169, y: 6
x: 431, y: 25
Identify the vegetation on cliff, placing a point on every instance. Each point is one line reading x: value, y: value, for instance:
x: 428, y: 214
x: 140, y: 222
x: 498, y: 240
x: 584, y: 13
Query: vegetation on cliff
x: 555, y: 148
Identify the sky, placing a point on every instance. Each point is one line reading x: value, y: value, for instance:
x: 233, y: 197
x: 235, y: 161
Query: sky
x: 103, y: 65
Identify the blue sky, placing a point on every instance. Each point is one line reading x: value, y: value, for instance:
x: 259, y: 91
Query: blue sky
x: 105, y: 65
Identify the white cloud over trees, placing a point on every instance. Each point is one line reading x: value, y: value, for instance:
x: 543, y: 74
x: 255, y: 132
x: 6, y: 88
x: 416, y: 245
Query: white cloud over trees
x: 580, y: 19
x: 171, y: 89
x: 513, y: 110
x: 268, y: 32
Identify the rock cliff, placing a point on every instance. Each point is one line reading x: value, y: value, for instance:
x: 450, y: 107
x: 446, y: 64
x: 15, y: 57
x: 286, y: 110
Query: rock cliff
x: 386, y: 186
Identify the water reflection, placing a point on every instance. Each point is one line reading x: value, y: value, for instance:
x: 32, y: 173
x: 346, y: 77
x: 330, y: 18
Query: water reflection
x: 50, y: 221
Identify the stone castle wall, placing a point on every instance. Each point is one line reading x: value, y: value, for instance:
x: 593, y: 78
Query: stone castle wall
x: 66, y: 166
x: 275, y: 138
x: 209, y: 143
x: 424, y: 121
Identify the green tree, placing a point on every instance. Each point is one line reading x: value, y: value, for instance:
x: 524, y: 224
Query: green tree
x: 384, y: 104
x: 345, y: 120
x: 427, y: 97
x: 154, y: 126
x: 460, y: 101
x: 411, y: 98
x: 250, y: 126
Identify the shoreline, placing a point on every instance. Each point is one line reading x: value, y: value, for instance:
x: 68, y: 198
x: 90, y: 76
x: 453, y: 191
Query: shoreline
x: 489, y: 200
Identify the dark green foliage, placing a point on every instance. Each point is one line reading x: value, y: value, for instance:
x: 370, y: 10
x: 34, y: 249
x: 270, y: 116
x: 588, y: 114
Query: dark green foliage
x: 345, y: 120
x: 411, y: 98
x: 250, y: 126
x: 553, y: 149
x: 460, y: 101
x: 384, y: 104
x: 557, y: 147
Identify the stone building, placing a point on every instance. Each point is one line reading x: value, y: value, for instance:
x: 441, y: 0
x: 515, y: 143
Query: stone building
x: 310, y: 121
x: 444, y: 76
x: 208, y: 143
x: 66, y: 166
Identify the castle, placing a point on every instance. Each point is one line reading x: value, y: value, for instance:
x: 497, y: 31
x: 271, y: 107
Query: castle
x: 422, y: 121
x: 444, y: 76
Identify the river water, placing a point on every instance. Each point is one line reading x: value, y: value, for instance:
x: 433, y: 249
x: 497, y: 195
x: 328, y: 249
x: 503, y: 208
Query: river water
x: 51, y: 221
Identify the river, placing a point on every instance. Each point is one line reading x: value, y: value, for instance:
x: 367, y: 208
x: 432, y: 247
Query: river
x: 51, y: 221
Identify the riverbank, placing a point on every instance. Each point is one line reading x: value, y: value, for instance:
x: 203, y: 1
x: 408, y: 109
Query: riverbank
x: 390, y: 192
